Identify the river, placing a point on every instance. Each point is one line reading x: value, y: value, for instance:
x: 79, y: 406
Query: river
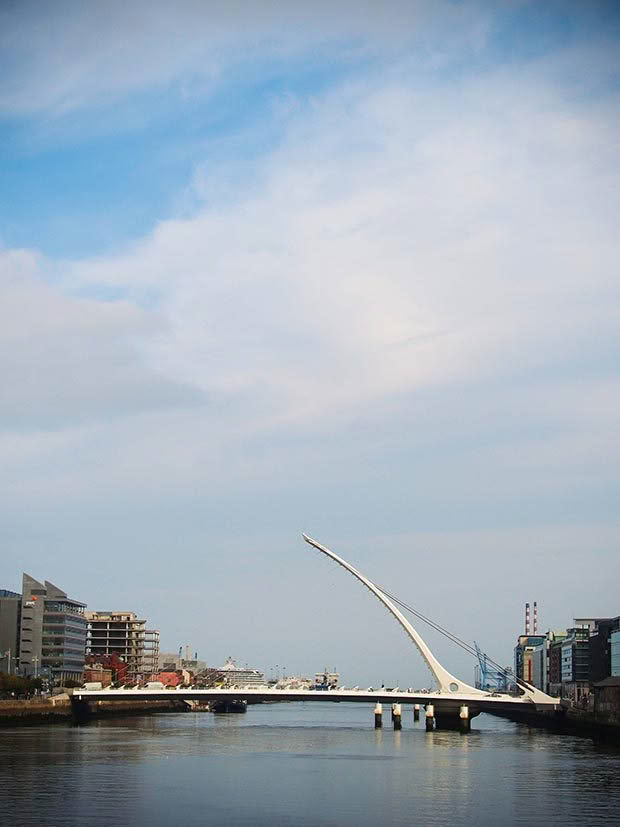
x: 302, y: 764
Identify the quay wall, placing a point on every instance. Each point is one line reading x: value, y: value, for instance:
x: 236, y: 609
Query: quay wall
x: 569, y: 721
x: 60, y: 710
x: 35, y: 711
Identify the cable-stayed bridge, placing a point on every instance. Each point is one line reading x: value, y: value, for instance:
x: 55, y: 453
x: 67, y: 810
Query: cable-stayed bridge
x: 453, y: 703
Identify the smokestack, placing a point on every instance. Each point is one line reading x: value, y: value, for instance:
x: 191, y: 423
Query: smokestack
x: 527, y: 618
x: 535, y: 619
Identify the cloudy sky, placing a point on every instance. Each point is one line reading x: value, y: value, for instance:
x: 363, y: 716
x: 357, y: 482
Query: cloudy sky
x: 345, y: 268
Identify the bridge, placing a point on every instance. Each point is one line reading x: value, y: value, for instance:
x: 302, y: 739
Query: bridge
x: 453, y: 704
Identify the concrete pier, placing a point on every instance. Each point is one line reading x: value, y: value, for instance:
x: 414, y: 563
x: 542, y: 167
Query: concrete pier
x: 429, y: 712
x: 416, y: 712
x: 464, y: 720
x: 397, y: 716
x: 378, y: 716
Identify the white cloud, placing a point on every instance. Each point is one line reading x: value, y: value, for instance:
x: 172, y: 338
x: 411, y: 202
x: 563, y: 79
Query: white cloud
x: 85, y: 54
x: 66, y: 359
x: 387, y: 250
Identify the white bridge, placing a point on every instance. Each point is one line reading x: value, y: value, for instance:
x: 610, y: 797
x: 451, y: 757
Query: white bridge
x: 453, y: 699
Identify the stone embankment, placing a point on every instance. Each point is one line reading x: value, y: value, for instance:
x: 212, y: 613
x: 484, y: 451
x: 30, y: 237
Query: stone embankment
x: 571, y: 721
x: 59, y: 709
x: 35, y: 711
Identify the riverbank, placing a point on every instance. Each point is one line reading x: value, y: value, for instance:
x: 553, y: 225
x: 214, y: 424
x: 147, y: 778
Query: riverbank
x: 59, y: 709
x: 570, y: 721
x: 35, y: 711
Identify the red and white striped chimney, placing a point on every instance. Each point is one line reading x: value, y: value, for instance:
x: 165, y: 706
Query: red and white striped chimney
x: 527, y: 618
x: 535, y: 619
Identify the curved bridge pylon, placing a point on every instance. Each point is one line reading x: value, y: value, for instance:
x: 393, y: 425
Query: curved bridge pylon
x: 446, y: 682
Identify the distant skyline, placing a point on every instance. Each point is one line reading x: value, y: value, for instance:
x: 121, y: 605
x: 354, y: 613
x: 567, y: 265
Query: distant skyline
x: 338, y: 268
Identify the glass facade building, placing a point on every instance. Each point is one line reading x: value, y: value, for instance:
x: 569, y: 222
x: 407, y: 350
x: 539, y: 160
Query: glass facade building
x: 615, y: 654
x: 52, y: 634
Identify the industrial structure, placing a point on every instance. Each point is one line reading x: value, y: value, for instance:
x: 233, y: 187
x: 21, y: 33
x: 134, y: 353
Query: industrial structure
x: 489, y: 677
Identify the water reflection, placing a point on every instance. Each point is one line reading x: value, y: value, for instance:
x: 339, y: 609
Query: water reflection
x: 301, y: 764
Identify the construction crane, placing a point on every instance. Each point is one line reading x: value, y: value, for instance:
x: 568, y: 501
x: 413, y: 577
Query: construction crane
x: 493, y: 680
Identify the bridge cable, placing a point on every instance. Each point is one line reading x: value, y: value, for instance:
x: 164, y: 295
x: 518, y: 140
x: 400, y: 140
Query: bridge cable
x: 452, y: 637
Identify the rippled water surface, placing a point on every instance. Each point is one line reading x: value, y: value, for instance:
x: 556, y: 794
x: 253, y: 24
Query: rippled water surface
x: 301, y: 764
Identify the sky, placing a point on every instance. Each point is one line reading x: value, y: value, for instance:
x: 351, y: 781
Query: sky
x: 344, y: 268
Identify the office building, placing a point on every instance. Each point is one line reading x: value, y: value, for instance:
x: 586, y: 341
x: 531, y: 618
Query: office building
x: 524, y: 655
x: 615, y: 654
x: 600, y: 648
x: 10, y: 621
x: 52, y: 638
x: 576, y: 663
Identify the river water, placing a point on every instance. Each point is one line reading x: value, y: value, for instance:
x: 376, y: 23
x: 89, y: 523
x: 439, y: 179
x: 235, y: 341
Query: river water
x: 302, y: 764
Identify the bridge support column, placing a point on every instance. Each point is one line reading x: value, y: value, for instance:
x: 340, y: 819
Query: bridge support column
x: 429, y: 712
x: 80, y: 709
x: 464, y: 720
x: 416, y: 712
x: 397, y: 716
x: 378, y: 716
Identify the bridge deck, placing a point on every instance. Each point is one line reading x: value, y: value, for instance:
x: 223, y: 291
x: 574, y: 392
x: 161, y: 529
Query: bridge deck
x: 438, y: 699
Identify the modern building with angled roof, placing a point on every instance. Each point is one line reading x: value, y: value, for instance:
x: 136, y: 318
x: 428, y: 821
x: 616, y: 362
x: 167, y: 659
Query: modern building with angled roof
x: 52, y: 638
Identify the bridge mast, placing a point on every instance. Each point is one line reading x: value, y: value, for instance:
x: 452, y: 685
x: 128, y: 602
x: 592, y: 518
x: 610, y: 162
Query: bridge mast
x: 446, y: 681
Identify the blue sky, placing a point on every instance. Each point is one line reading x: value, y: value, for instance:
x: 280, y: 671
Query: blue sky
x: 350, y: 271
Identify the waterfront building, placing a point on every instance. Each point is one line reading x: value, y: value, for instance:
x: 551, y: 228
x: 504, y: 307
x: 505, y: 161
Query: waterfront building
x: 523, y: 655
x: 10, y: 622
x: 52, y: 637
x: 576, y: 664
x: 540, y: 659
x: 123, y: 634
x: 97, y: 674
x: 116, y: 666
x: 615, y: 654
x: 607, y: 699
x: 600, y: 648
x: 233, y: 675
